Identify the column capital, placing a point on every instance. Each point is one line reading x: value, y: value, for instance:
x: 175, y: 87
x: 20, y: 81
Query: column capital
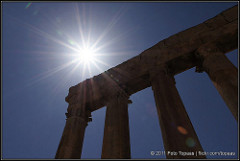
x: 118, y: 94
x: 79, y: 111
x: 210, y: 56
x: 158, y: 68
x: 157, y: 71
x: 207, y: 49
x: 203, y: 52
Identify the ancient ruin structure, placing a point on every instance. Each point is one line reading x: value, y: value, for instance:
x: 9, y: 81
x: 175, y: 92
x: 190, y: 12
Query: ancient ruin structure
x: 202, y: 46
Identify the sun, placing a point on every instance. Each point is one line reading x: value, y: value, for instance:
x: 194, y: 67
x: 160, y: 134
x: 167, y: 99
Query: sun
x: 86, y: 55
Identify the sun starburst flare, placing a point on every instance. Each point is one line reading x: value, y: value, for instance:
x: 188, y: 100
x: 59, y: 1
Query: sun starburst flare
x: 85, y: 55
x: 83, y: 52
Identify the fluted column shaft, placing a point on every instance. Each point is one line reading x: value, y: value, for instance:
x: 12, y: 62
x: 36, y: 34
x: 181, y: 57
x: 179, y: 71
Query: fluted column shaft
x: 71, y: 143
x: 116, y: 141
x: 222, y: 73
x: 177, y: 130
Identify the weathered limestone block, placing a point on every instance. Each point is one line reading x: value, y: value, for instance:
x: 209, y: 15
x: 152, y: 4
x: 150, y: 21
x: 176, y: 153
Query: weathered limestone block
x: 192, y: 33
x: 225, y: 33
x: 231, y: 14
x: 215, y: 22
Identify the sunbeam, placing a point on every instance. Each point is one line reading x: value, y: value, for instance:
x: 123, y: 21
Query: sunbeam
x: 49, y: 73
x: 83, y: 51
x: 115, y: 19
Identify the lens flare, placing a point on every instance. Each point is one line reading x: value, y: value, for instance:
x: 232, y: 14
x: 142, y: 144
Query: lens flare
x: 182, y: 130
x: 28, y: 5
x: 190, y: 142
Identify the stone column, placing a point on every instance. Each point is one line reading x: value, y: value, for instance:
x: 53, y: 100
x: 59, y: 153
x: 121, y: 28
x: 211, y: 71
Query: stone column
x: 222, y: 72
x: 70, y: 146
x: 116, y: 140
x: 177, y: 131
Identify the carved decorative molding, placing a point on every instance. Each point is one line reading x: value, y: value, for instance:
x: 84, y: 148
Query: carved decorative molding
x: 79, y: 111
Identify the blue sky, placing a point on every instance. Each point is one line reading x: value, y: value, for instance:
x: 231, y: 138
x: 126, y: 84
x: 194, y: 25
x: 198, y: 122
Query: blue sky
x: 38, y: 40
